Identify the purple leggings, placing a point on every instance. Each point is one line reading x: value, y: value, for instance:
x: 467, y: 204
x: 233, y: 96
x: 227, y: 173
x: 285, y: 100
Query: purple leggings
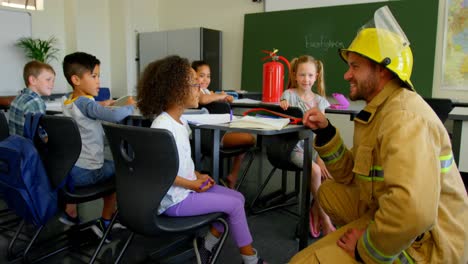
x: 217, y: 199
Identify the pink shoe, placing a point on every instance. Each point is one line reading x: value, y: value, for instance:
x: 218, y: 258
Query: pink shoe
x: 314, y: 230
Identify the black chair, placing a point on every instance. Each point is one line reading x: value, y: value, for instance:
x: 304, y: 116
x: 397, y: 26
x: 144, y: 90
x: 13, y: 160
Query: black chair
x: 59, y: 155
x: 278, y: 155
x: 4, y: 129
x: 441, y: 107
x: 225, y: 152
x: 147, y: 163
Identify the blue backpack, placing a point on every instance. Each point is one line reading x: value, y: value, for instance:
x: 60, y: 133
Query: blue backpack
x: 26, y: 187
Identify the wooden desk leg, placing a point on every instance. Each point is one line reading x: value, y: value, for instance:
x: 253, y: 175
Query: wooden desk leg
x: 215, y: 156
x: 305, y: 192
x: 197, y: 150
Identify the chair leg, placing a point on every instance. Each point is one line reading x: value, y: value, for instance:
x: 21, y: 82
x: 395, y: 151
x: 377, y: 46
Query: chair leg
x: 124, y: 248
x: 244, y: 173
x: 260, y: 191
x: 103, y: 239
x: 221, y: 240
x: 10, y: 253
x: 26, y: 251
x: 274, y: 196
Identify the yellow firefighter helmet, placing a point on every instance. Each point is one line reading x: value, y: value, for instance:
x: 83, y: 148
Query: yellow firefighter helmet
x: 385, y: 48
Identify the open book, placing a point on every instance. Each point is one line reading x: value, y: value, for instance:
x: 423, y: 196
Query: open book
x: 207, y: 119
x: 260, y: 122
x: 121, y: 101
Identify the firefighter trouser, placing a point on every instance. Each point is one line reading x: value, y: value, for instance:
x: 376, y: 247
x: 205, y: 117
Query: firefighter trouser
x: 341, y: 203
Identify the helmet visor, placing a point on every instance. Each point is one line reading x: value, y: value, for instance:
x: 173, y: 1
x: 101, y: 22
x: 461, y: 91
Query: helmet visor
x: 391, y: 39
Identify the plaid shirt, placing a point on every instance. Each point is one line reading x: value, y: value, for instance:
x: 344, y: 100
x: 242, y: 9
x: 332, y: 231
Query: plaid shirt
x: 27, y: 102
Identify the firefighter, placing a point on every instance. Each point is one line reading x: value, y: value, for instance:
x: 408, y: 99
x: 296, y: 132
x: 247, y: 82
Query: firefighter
x: 397, y: 194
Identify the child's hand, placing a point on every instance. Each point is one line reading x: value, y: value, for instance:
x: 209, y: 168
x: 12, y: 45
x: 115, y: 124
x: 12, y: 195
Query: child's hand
x: 284, y: 104
x: 229, y: 98
x: 130, y: 101
x: 203, y: 184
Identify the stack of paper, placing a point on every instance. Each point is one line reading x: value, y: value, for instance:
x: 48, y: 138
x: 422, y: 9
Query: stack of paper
x: 260, y: 122
x: 207, y: 119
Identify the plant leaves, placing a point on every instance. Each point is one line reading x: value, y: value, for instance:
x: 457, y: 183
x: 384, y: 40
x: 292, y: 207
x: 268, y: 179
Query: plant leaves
x: 39, y: 49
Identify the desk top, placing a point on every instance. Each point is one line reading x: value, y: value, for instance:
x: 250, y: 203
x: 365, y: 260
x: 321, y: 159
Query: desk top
x: 459, y: 113
x: 353, y: 109
x: 263, y: 132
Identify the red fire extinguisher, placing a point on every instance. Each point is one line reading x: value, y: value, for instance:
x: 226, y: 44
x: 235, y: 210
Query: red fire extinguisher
x: 273, y: 77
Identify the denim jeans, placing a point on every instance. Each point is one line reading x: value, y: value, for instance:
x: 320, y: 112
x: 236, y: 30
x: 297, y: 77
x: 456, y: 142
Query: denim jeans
x: 84, y: 177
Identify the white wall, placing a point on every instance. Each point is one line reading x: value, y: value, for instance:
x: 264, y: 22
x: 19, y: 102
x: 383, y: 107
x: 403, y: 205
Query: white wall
x: 224, y: 15
x: 108, y: 29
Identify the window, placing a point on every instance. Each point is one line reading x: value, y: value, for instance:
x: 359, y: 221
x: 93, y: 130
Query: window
x: 24, y: 4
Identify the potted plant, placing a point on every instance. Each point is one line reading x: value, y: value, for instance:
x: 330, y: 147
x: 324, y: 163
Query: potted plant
x: 39, y: 49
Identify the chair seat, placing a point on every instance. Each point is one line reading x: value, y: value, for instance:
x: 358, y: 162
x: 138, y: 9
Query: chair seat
x: 183, y: 224
x: 89, y: 193
x: 234, y: 151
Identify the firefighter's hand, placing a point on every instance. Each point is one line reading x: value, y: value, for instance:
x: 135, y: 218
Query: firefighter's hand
x: 348, y: 240
x: 315, y: 119
x: 323, y: 168
x: 284, y: 104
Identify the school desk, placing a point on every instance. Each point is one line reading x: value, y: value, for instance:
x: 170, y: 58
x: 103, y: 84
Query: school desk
x: 268, y: 137
x: 352, y: 110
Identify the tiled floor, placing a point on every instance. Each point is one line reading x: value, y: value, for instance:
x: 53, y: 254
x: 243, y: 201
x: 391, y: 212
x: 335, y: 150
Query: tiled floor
x: 273, y: 234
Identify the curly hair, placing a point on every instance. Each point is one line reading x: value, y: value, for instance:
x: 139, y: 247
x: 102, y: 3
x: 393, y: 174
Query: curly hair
x: 164, y: 83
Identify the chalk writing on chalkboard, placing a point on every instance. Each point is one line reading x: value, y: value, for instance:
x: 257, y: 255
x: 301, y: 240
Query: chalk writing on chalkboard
x: 323, y: 43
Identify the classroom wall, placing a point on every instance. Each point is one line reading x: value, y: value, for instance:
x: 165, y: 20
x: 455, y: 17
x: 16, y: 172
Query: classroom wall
x: 224, y: 15
x: 108, y: 29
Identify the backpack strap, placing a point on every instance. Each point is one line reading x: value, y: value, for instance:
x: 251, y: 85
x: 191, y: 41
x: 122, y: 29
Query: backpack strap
x: 31, y: 123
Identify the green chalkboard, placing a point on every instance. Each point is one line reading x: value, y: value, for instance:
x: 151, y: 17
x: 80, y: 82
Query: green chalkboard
x: 320, y: 32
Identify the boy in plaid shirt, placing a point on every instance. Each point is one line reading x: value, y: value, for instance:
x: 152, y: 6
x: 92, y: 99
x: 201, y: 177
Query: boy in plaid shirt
x: 39, y: 79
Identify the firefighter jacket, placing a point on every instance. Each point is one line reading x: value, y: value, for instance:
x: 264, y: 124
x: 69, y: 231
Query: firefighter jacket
x: 402, y: 163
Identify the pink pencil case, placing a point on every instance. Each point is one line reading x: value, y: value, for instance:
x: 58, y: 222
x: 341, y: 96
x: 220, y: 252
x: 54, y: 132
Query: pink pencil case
x: 343, y: 103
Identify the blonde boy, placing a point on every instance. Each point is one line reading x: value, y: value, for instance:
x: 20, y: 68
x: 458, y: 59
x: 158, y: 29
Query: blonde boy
x: 39, y: 79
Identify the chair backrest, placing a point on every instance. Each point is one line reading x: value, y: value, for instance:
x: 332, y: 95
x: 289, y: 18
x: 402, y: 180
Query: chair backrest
x: 103, y: 94
x: 278, y: 154
x: 441, y: 107
x: 292, y: 110
x: 218, y: 107
x: 146, y: 164
x: 4, y: 130
x: 62, y: 149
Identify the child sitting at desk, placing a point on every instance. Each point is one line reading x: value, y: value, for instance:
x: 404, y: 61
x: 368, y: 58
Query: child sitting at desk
x: 230, y: 139
x: 82, y: 73
x: 305, y: 70
x: 168, y: 87
x: 39, y: 79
